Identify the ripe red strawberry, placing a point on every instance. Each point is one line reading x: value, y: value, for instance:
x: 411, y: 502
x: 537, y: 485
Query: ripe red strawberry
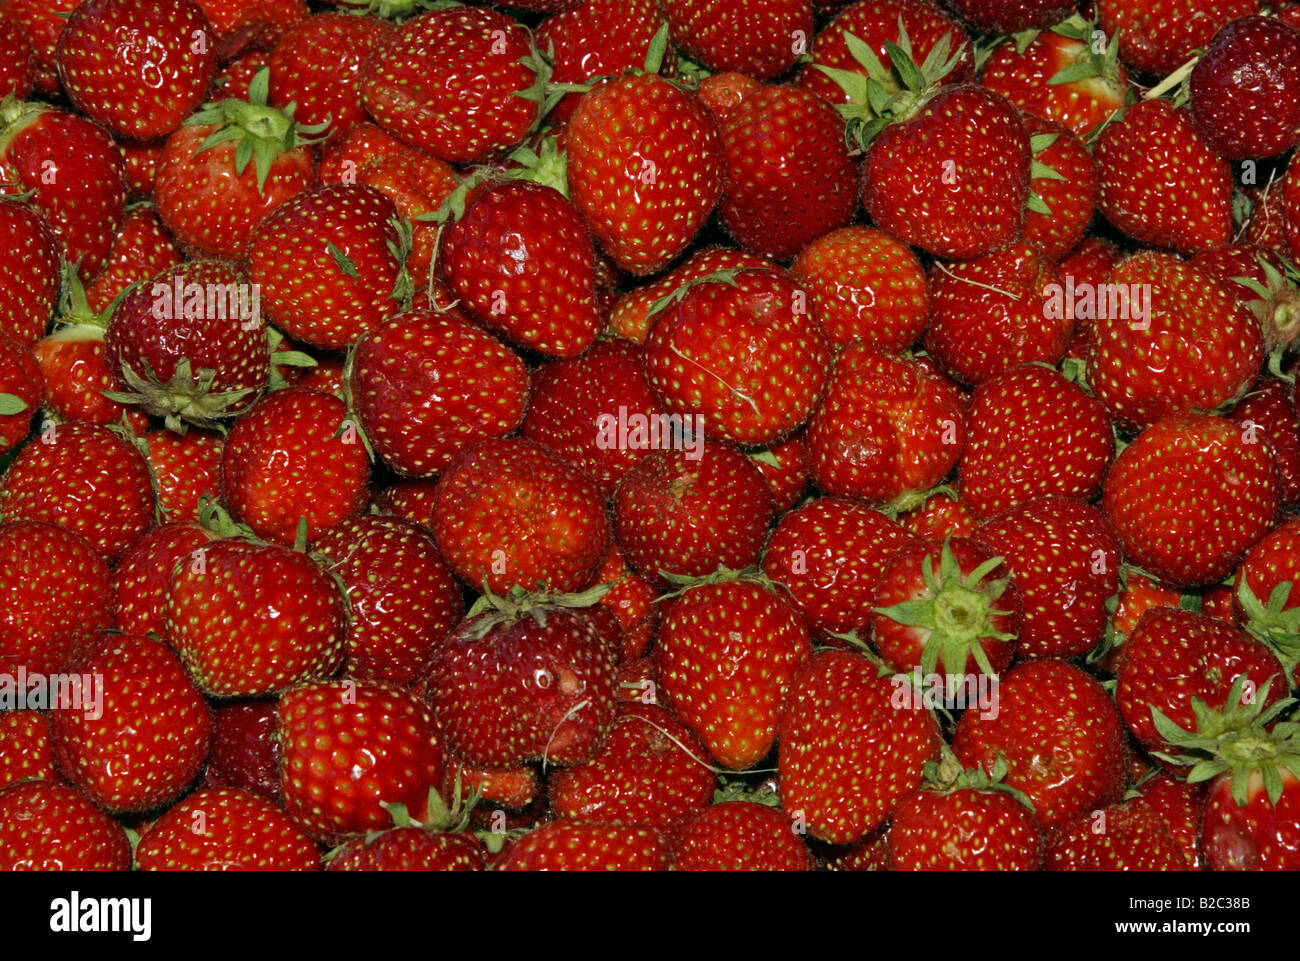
x: 994, y: 312
x: 631, y: 599
x: 566, y: 846
x: 42, y: 23
x: 402, y: 597
x: 1032, y: 433
x: 47, y: 826
x: 888, y: 428
x: 86, y: 479
x: 22, y: 389
x: 1264, y: 217
x: 143, y: 744
x: 740, y: 836
x: 1245, y: 89
x: 725, y: 656
x: 1181, y: 806
x: 789, y: 177
x: 1175, y: 655
x: 828, y: 555
x: 536, y: 683
x: 1087, y: 265
x: 942, y: 514
x: 1011, y: 16
x: 1064, y: 178
x: 1058, y: 732
x: 188, y: 346
x: 1255, y: 276
x: 864, y: 285
x: 185, y: 467
x: 783, y: 466
x: 1137, y: 595
x: 1160, y: 183
x: 848, y: 756
x: 1264, y: 596
x: 1268, y: 406
x: 240, y: 25
x: 521, y: 263
x: 1164, y: 491
x: 55, y: 591
x: 337, y: 245
x: 679, y: 513
x: 25, y: 748
x: 142, y: 248
x: 651, y: 770
x: 1060, y: 75
x: 1157, y: 36
x: 964, y: 821
x: 293, y: 457
x: 723, y: 92
x: 141, y: 577
x: 250, y: 619
x: 138, y: 67
x: 245, y: 749
x: 645, y: 169
x: 509, y: 512
x: 1181, y: 322
x: 953, y: 177
x: 1065, y: 559
x: 17, y: 61
x: 82, y: 195
x: 742, y: 351
x: 317, y: 64
x: 1121, y: 837
x: 141, y: 163
x: 224, y: 829
x: 232, y: 163
x: 760, y: 39
x: 948, y: 607
x: 451, y: 82
x: 427, y: 386
x: 31, y: 271
x: 409, y: 848
x: 350, y: 747
x: 513, y: 788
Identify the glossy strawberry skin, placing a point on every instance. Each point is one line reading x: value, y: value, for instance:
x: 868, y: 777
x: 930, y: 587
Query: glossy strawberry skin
x: 1156, y: 36
x: 565, y: 846
x: 31, y: 265
x: 17, y: 62
x: 409, y: 849
x: 225, y: 829
x: 740, y: 836
x: 20, y: 377
x: 47, y: 826
x: 1071, y: 200
x: 759, y: 39
x: 246, y: 751
x: 466, y: 387
x: 1268, y: 406
x: 186, y: 468
x: 1116, y: 838
x: 964, y: 830
x: 1257, y: 837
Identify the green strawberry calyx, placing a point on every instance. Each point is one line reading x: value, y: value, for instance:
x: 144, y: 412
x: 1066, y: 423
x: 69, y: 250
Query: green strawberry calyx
x: 947, y: 775
x: 492, y: 610
x: 1243, y: 740
x: 1277, y: 309
x: 681, y: 583
x: 1273, y: 622
x: 186, y: 399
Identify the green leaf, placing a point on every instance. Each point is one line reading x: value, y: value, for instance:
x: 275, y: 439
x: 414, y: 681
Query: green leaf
x: 344, y: 262
x: 11, y: 404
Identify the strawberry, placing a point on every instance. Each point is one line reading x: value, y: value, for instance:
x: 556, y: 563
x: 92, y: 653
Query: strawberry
x: 1263, y: 217
x: 17, y: 61
x: 25, y: 748
x: 1156, y: 36
x: 402, y: 597
x: 82, y: 197
x: 1256, y: 276
x: 1160, y: 491
x: 888, y: 428
x: 86, y: 479
x: 146, y: 742
x: 1059, y: 734
x: 740, y: 836
x: 241, y: 25
x: 949, y: 607
x: 351, y: 747
x: 208, y: 193
x: 1120, y: 837
x: 251, y: 619
x: 574, y: 398
x: 1031, y: 433
x: 566, y: 846
x: 741, y: 351
x: 1087, y: 265
x: 725, y: 656
x: 1263, y: 595
x: 524, y: 681
x: 514, y: 788
x: 1245, y: 89
x: 520, y: 261
x: 31, y: 270
x: 1180, y: 806
x: 141, y: 249
x: 994, y: 312
x: 678, y: 513
x: 1180, y: 322
x: 136, y: 66
x: 458, y: 83
x: 47, y: 826
x: 783, y: 467
x: 185, y: 468
x: 223, y: 829
x: 964, y: 821
x: 631, y: 599
x: 337, y: 245
x: 1065, y: 558
x: 848, y: 756
x: 828, y: 556
x: 141, y: 166
x: 1065, y: 181
x: 1173, y: 656
x: 291, y: 458
x: 650, y: 771
x: 142, y: 574
x: 42, y: 23
x: 509, y: 512
x: 722, y: 92
x: 56, y: 591
x: 760, y: 39
x: 789, y: 177
x: 1137, y: 595
x: 1011, y: 16
x: 22, y: 388
x: 1063, y: 75
x: 188, y: 345
x: 245, y: 750
x: 408, y: 848
x: 645, y: 169
x: 942, y: 514
x: 864, y: 285
x: 1160, y: 183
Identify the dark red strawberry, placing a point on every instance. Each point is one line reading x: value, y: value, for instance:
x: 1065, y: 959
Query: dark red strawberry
x: 245, y: 749
x: 42, y: 23
x: 22, y: 388
x: 25, y: 748
x: 784, y: 467
x: 47, y: 826
x: 760, y: 39
x: 1157, y: 36
x: 1087, y: 265
x: 942, y: 514
x: 17, y: 61
x: 31, y: 271
x: 409, y: 848
x: 740, y: 836
x: 1121, y: 837
x: 225, y: 829
x: 566, y: 846
x: 1181, y: 806
x: 426, y: 386
x: 1264, y: 596
x: 1011, y: 16
x: 1277, y: 425
x: 185, y: 467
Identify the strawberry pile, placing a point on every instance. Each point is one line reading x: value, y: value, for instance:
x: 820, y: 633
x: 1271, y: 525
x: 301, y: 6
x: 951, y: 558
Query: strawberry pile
x: 648, y: 434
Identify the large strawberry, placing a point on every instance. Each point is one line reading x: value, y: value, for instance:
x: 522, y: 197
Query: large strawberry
x: 225, y: 829
x: 760, y: 39
x: 48, y: 826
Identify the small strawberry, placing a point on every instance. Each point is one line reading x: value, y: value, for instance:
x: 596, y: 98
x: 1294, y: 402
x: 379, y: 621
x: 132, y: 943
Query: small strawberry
x: 408, y: 847
x: 42, y: 23
x: 143, y: 248
x: 245, y: 749
x: 569, y: 846
x: 740, y: 836
x: 1257, y: 277
x: 631, y: 599
x: 224, y: 829
x: 942, y: 514
x: 1011, y: 16
x: 1180, y: 806
x: 47, y: 826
